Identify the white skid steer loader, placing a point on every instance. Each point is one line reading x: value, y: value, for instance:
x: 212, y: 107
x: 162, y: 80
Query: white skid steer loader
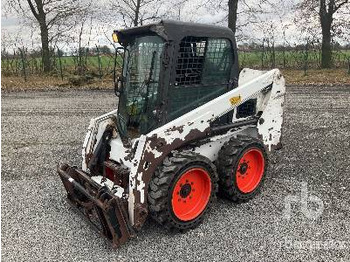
x: 188, y: 126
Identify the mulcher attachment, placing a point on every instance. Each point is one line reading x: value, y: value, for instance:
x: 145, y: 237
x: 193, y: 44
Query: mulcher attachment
x: 106, y: 212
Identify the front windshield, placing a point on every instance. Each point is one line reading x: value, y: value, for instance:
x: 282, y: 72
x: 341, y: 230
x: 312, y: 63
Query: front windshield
x: 137, y: 104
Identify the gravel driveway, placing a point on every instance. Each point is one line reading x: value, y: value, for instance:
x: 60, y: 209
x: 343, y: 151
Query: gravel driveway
x: 42, y: 129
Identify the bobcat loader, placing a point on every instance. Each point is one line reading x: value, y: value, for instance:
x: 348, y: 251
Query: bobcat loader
x: 188, y: 126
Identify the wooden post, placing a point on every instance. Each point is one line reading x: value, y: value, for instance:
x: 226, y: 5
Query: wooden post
x: 273, y: 54
x: 23, y: 64
x: 16, y: 62
x: 262, y: 54
x: 60, y: 62
x: 306, y: 57
x: 99, y: 62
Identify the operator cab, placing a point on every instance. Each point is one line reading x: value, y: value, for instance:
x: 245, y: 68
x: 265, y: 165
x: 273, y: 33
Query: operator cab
x: 171, y: 68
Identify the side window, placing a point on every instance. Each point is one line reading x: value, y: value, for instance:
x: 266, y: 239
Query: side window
x: 218, y: 61
x: 190, y: 60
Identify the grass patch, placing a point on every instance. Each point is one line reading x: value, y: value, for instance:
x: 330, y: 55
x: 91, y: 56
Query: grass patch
x: 14, y: 83
x: 317, y: 77
x: 293, y: 77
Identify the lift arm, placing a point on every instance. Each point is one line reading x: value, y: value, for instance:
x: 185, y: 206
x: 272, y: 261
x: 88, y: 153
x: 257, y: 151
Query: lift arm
x: 268, y: 87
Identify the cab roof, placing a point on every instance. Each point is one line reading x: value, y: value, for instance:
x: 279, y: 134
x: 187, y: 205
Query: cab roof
x: 172, y: 30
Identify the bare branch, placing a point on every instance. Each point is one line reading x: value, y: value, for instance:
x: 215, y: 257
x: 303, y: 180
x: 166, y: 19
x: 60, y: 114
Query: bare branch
x: 337, y: 7
x: 32, y: 8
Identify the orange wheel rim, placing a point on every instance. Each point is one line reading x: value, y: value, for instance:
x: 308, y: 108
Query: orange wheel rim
x: 250, y: 170
x: 191, y: 194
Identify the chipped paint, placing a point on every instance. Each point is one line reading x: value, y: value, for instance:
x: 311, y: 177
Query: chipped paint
x: 95, y: 131
x: 133, y: 177
x: 103, y: 181
x: 270, y: 128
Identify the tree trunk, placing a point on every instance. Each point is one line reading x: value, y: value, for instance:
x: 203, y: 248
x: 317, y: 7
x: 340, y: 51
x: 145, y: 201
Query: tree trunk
x: 326, y: 19
x: 37, y: 8
x: 232, y: 15
x: 326, y: 57
x: 44, y: 33
x: 137, y: 13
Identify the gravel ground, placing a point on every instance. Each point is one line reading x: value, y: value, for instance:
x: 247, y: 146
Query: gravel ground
x: 42, y: 129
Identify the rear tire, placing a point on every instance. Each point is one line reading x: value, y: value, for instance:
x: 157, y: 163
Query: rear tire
x: 181, y: 190
x: 241, y: 165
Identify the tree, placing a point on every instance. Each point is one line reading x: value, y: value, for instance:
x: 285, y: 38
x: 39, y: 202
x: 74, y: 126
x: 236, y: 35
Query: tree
x: 137, y: 12
x: 53, y: 18
x: 242, y: 15
x: 331, y: 16
x: 327, y: 11
x: 232, y: 15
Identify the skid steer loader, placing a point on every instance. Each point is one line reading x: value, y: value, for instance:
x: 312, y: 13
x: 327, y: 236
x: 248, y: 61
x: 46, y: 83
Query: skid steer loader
x: 188, y: 126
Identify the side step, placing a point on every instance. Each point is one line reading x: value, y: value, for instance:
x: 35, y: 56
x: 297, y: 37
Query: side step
x: 106, y: 212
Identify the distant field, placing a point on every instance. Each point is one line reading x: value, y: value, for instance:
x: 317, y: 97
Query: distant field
x: 105, y: 63
x: 327, y: 77
x: 290, y: 59
x: 253, y: 59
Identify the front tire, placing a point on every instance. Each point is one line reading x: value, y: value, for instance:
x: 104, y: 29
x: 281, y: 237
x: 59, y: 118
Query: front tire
x: 181, y: 190
x: 241, y: 165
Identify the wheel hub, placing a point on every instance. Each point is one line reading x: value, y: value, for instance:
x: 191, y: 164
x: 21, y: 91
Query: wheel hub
x: 250, y: 170
x: 243, y: 168
x: 185, y: 190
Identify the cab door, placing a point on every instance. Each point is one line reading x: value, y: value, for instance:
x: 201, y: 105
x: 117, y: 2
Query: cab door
x: 202, y: 72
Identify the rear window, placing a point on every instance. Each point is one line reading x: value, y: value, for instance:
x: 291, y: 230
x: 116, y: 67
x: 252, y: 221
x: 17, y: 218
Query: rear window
x: 203, y: 61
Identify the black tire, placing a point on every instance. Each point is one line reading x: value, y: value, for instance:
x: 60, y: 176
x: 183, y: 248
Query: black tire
x: 227, y: 165
x: 163, y: 182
